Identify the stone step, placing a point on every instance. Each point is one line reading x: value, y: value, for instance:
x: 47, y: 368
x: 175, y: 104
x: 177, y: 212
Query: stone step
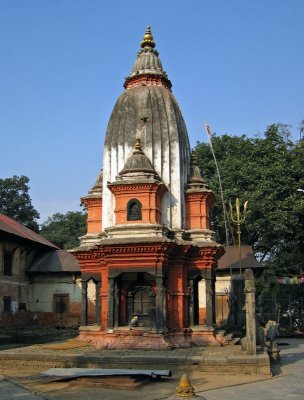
x: 223, y: 360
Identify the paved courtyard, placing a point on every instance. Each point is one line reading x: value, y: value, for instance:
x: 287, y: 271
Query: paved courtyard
x: 286, y: 384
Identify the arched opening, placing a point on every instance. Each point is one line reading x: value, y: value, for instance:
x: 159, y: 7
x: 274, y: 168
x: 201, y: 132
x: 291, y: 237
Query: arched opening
x: 90, y: 300
x: 134, y: 210
x: 141, y: 302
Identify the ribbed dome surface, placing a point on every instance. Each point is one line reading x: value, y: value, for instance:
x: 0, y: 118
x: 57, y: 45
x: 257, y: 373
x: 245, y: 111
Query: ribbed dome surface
x: 148, y: 111
x: 158, y: 107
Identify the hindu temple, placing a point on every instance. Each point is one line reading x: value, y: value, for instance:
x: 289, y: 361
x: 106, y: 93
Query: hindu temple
x: 148, y: 258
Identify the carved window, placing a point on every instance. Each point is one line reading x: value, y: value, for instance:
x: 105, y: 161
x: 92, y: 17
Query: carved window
x: 134, y: 210
x: 8, y: 263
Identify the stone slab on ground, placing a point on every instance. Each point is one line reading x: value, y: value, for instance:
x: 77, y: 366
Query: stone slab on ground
x: 72, y: 373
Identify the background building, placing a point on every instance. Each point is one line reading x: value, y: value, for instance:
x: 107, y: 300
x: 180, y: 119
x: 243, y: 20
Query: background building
x: 39, y: 283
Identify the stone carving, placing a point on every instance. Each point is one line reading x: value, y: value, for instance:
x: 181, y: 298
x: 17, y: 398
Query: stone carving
x: 250, y: 312
x: 134, y: 321
x: 272, y: 333
x: 260, y: 336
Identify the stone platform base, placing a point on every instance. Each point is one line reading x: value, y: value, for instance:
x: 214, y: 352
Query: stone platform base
x: 212, y: 360
x: 140, y: 339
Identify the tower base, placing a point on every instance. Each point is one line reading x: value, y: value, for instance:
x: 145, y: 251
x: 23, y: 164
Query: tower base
x: 141, y: 339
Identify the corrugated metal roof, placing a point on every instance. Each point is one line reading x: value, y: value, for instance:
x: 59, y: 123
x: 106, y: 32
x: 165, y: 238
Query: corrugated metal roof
x: 231, y: 258
x: 55, y: 261
x: 13, y: 227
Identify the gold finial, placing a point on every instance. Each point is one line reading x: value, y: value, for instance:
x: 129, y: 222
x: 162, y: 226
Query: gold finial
x: 184, y: 388
x: 148, y: 39
x: 137, y: 147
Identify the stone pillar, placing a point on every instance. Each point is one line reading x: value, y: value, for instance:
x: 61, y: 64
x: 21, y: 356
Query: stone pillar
x: 84, y: 303
x: 210, y: 298
x: 160, y: 305
x: 116, y: 303
x: 191, y: 303
x: 97, y: 304
x: 213, y: 299
x: 250, y: 312
x: 111, y: 298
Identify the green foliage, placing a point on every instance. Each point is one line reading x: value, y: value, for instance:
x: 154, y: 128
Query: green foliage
x: 15, y: 201
x: 266, y: 171
x: 65, y: 229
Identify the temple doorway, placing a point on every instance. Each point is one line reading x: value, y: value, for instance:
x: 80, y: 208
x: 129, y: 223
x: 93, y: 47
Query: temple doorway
x: 198, y: 302
x: 90, y: 300
x: 137, y: 300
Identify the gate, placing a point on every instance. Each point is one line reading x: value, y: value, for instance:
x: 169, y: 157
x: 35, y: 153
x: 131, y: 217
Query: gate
x: 285, y: 306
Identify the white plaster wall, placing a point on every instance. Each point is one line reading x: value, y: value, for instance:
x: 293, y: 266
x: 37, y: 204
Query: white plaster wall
x: 41, y: 292
x: 223, y: 284
x: 168, y: 166
x: 202, y: 294
x: 107, y: 197
x: 91, y: 291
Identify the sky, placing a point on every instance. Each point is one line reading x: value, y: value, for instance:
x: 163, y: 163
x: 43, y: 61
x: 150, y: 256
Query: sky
x: 238, y: 64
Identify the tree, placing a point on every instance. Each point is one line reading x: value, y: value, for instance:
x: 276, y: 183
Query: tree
x: 266, y: 171
x: 15, y: 201
x: 65, y: 229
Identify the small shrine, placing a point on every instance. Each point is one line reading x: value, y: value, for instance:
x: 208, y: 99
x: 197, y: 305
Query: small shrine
x: 149, y: 254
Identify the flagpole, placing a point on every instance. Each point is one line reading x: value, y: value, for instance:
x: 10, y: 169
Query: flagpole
x: 220, y: 183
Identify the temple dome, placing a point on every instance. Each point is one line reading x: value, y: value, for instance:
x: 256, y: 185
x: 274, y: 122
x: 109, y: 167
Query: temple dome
x: 147, y: 110
x: 150, y: 113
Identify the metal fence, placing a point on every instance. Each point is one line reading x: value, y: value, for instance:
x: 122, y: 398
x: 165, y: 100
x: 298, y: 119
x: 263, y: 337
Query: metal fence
x: 285, y: 305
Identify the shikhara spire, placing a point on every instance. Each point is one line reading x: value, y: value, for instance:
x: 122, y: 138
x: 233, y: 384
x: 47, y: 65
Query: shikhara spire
x: 147, y: 68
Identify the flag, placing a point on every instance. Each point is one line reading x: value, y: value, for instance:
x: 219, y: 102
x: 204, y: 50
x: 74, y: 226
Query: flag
x: 208, y: 130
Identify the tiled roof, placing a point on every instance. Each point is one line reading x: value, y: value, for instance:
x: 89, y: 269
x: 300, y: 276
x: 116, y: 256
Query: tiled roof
x: 55, y: 261
x: 13, y: 227
x: 231, y: 258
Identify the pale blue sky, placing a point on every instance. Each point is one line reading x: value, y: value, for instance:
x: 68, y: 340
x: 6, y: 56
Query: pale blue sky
x: 237, y: 64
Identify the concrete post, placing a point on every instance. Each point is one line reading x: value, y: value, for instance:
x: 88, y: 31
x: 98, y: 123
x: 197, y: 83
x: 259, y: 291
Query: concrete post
x: 250, y: 312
